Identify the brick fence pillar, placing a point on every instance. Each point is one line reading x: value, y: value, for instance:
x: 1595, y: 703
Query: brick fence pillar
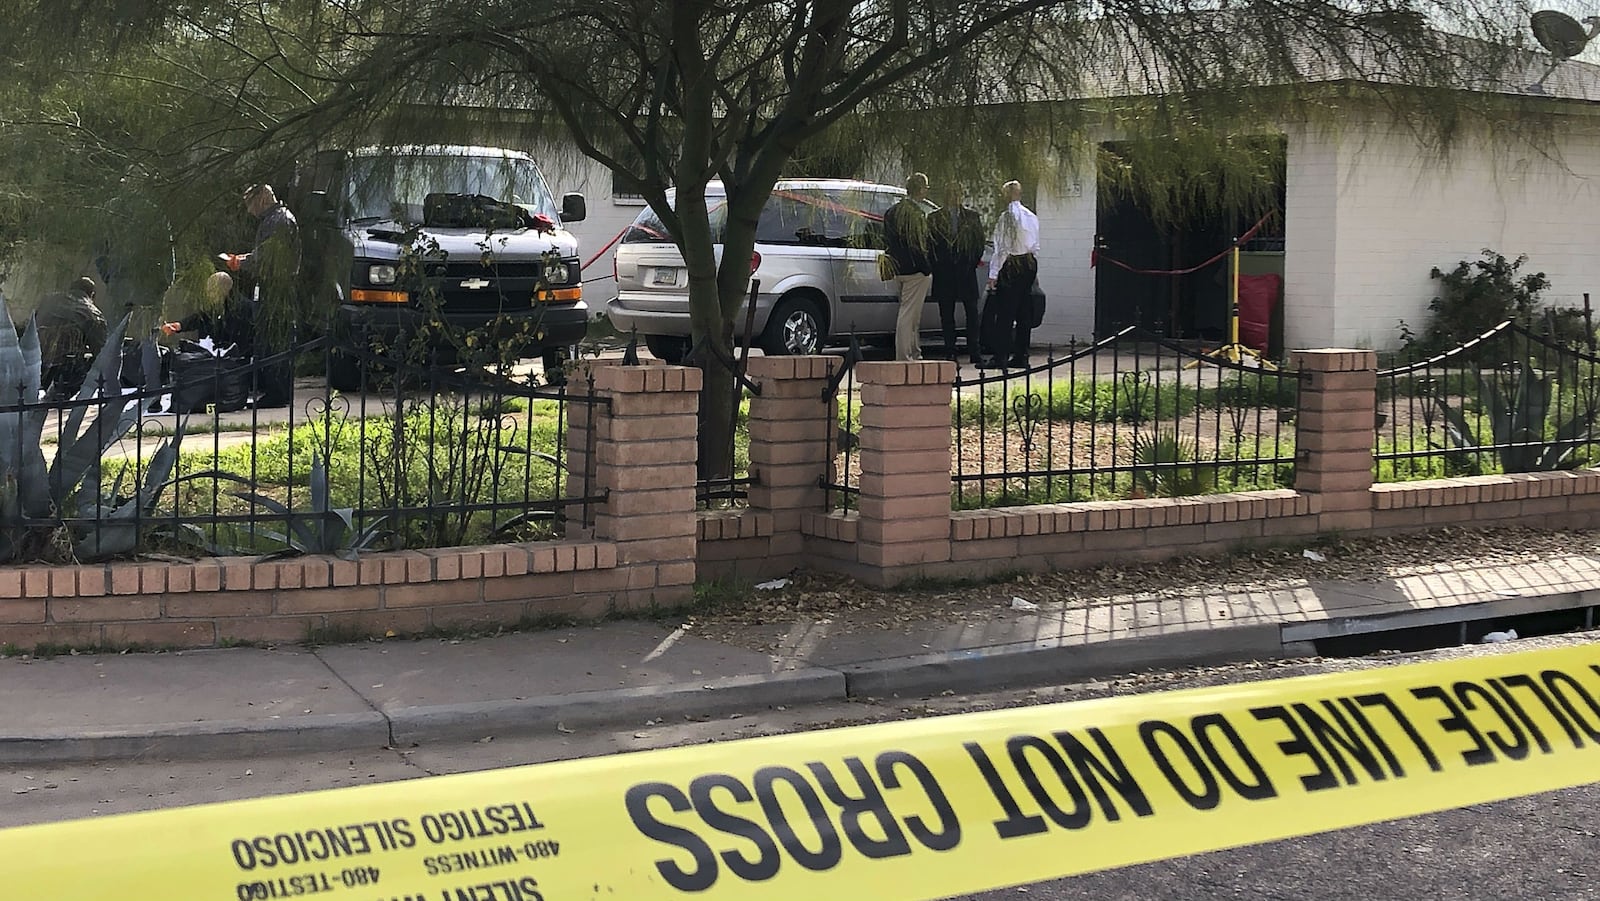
x: 1334, y: 433
x: 905, y: 467
x: 790, y: 426
x: 644, y: 462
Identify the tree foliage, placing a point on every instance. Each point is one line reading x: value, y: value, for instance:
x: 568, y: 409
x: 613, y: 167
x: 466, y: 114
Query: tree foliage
x: 673, y: 94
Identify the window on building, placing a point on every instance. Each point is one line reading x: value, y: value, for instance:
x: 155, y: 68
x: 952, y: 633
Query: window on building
x: 623, y: 195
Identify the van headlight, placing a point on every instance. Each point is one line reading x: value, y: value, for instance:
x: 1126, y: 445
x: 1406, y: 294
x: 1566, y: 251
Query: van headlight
x: 382, y: 274
x: 556, y: 272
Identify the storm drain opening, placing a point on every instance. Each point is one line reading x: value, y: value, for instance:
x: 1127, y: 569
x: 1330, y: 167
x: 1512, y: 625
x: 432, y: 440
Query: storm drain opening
x: 1450, y: 635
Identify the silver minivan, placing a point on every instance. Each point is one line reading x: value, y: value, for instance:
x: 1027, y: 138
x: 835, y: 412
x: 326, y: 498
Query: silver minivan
x: 817, y: 245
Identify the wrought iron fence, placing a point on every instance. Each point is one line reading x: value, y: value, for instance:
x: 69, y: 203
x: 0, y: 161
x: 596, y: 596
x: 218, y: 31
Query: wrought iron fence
x: 724, y: 467
x: 724, y: 471
x: 842, y: 485
x: 1509, y: 400
x: 187, y: 455
x: 1133, y: 415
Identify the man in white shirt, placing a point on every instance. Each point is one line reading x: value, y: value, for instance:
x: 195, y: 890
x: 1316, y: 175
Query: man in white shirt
x: 1013, y: 266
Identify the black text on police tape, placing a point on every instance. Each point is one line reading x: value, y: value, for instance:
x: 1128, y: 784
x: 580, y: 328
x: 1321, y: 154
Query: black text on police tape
x: 1072, y: 779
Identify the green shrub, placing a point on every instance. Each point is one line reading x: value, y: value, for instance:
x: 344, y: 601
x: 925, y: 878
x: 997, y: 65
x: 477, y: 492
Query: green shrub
x: 1475, y: 297
x: 1165, y: 466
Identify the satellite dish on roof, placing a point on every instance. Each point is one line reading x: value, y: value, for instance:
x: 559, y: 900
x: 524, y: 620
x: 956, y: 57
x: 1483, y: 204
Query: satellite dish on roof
x: 1562, y: 35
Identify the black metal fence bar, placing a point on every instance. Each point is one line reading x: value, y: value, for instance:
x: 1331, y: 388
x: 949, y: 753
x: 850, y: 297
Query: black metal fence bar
x: 1509, y: 400
x: 845, y: 486
x: 1133, y: 415
x: 421, y: 455
x: 725, y: 478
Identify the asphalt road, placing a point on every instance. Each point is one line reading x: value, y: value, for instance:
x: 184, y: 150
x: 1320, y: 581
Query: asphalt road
x: 1545, y: 846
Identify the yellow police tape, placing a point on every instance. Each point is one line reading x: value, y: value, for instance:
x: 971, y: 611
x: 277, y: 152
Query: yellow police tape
x: 922, y: 809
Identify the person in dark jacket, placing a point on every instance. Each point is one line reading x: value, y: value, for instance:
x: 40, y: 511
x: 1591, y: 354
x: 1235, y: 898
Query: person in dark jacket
x: 258, y: 311
x: 71, y: 332
x: 956, y: 238
x: 905, y: 240
x: 275, y: 259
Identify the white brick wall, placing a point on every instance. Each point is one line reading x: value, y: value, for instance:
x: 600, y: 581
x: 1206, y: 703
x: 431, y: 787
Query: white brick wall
x: 1066, y: 236
x: 568, y: 172
x: 1364, y: 232
x: 1310, y: 271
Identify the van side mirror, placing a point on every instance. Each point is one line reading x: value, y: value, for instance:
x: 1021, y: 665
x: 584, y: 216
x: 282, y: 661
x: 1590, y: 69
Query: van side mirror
x: 574, y: 208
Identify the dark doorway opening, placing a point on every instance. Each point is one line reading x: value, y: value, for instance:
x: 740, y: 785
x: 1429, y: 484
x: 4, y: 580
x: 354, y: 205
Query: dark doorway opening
x: 1191, y: 231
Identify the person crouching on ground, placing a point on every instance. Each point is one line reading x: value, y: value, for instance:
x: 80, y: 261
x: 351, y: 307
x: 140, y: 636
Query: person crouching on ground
x: 71, y: 332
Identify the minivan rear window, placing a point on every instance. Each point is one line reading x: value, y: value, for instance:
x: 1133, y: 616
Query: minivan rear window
x: 850, y: 217
x: 647, y: 227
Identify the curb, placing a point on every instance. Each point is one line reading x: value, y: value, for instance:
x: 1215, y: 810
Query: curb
x: 218, y: 738
x: 1510, y: 604
x: 454, y: 722
x: 1033, y: 663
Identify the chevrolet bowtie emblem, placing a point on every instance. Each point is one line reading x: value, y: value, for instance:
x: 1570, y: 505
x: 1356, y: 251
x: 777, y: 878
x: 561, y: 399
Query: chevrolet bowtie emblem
x: 474, y: 284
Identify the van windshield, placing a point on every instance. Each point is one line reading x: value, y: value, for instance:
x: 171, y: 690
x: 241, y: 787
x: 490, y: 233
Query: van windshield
x: 647, y: 227
x: 384, y: 187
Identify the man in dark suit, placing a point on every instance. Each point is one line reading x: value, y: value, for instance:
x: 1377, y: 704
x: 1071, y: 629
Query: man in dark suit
x: 955, y: 237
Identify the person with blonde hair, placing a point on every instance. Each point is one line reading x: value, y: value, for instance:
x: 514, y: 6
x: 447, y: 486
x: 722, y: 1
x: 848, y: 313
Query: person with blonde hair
x: 1013, y: 266
x: 905, y: 241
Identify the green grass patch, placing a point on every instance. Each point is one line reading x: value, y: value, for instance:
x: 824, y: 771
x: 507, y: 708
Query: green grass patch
x: 1221, y: 477
x: 1130, y: 399
x: 420, y: 470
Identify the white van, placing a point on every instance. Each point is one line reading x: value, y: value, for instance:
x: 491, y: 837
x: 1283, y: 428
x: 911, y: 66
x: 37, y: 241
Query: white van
x: 816, y: 257
x: 370, y: 207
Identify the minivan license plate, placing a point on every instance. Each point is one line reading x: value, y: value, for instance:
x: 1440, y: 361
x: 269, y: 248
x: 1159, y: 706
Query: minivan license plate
x: 666, y: 277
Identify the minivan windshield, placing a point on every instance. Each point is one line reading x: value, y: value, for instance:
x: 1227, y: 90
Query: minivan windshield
x: 383, y: 187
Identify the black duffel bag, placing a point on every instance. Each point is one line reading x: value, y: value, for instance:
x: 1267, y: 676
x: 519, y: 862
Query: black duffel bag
x: 133, y: 360
x: 201, y: 379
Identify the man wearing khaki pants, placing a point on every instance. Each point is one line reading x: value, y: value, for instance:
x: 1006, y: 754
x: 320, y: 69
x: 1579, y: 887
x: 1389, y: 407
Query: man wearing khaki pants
x: 905, y: 240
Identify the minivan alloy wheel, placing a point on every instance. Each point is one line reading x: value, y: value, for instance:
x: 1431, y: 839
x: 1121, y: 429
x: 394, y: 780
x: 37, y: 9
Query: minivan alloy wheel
x: 799, y: 328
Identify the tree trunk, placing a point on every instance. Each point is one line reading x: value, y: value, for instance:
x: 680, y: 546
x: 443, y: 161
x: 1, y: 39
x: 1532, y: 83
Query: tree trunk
x: 711, y: 333
x: 719, y: 408
x: 720, y: 398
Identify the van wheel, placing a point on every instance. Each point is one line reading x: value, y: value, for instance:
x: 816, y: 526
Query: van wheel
x: 797, y: 326
x: 669, y: 349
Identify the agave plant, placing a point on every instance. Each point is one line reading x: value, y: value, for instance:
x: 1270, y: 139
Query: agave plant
x: 36, y: 499
x: 1518, y: 406
x: 1159, y: 469
x: 323, y: 529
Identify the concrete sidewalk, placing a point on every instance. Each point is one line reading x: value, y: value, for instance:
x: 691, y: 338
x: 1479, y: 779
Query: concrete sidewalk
x: 402, y: 692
